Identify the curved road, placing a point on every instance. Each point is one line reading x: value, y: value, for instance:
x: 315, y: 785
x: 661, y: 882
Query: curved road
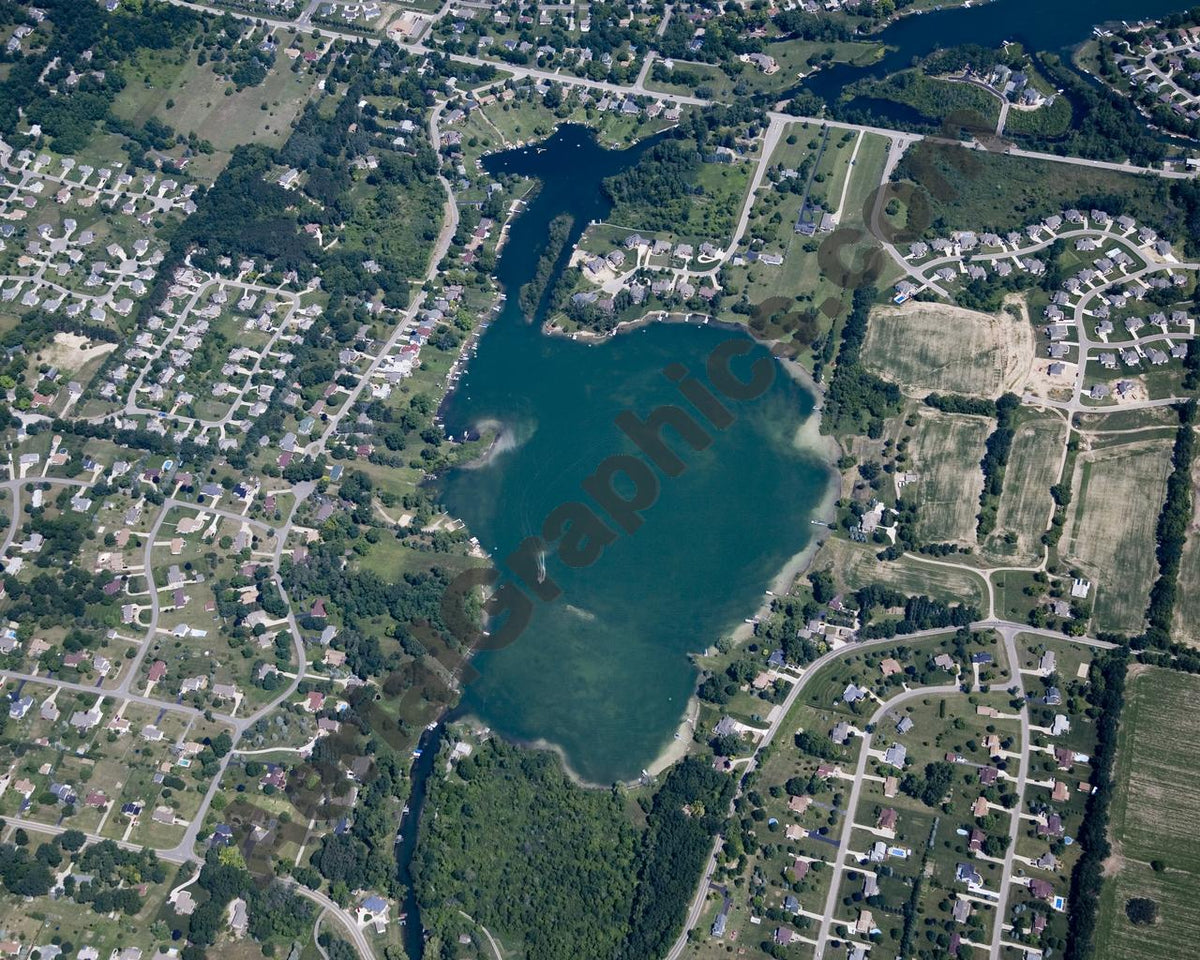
x: 864, y: 750
x: 1005, y: 628
x: 171, y: 856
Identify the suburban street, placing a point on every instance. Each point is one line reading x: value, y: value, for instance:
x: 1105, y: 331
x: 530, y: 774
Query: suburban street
x: 1007, y: 630
x: 521, y: 72
x: 839, y: 864
x: 147, y: 620
x: 1007, y: 634
x: 350, y: 927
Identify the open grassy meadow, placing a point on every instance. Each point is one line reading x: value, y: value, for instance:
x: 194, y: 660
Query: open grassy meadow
x: 1154, y: 812
x: 1118, y: 493
x: 1187, y: 604
x: 940, y: 348
x: 978, y: 190
x: 945, y: 450
x: 191, y: 98
x: 782, y: 292
x: 854, y: 566
x: 1033, y: 468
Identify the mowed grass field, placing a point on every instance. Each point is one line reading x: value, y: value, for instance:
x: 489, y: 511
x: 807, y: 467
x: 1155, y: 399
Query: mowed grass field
x: 799, y: 283
x: 945, y: 452
x: 1154, y: 814
x: 977, y: 190
x: 1187, y: 602
x: 854, y: 566
x: 1032, y: 470
x: 939, y: 348
x: 193, y: 99
x: 1117, y: 496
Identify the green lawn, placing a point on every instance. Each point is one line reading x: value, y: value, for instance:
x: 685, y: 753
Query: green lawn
x: 1153, y: 812
x: 854, y: 565
x: 977, y: 190
x: 1118, y: 494
x: 1025, y: 503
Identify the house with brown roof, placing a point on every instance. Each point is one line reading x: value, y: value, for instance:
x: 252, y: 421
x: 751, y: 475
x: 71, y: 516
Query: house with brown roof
x: 799, y: 805
x: 1041, y: 889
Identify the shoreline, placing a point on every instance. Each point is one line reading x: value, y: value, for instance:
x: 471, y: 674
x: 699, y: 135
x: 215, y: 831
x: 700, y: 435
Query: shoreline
x: 502, y: 440
x: 667, y: 759
x: 807, y: 437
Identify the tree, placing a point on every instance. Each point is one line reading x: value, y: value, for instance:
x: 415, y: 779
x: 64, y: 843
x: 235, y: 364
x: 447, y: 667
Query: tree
x: 823, y: 587
x: 1141, y: 911
x: 727, y: 745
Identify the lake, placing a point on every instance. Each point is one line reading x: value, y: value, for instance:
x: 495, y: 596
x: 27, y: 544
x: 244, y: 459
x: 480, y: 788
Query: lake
x: 602, y: 672
x: 1035, y: 24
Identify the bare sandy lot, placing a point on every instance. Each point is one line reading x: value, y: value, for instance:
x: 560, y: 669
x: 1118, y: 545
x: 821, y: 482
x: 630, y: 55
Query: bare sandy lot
x: 938, y: 347
x: 70, y: 352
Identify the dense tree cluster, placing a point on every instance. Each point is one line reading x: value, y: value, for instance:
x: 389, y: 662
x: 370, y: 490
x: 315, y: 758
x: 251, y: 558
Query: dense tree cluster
x: 957, y: 403
x: 557, y: 235
x: 855, y: 397
x: 1106, y: 694
x: 1172, y: 530
x: 22, y: 874
x: 362, y: 858
x: 801, y: 25
x: 69, y: 115
x: 997, y: 449
x: 920, y: 612
x: 930, y: 789
x: 512, y: 842
x: 655, y: 192
x: 783, y: 630
x: 275, y: 911
x: 361, y: 595
x: 392, y: 222
x: 1105, y: 125
x: 56, y: 597
x: 687, y: 812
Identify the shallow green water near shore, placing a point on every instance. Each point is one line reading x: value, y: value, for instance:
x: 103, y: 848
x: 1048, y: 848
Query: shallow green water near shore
x: 602, y: 671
